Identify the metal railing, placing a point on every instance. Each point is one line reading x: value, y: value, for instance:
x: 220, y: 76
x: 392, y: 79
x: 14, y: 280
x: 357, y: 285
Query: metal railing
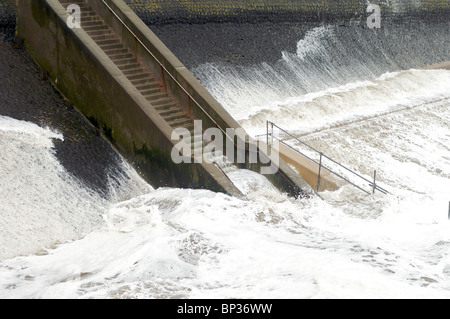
x: 372, y: 183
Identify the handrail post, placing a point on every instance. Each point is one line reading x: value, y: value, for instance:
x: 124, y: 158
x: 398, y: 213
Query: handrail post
x: 267, y: 133
x: 374, y: 182
x: 272, y: 134
x: 163, y: 79
x: 320, y: 169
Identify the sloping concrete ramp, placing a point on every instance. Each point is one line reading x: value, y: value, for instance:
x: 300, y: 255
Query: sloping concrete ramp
x: 131, y: 87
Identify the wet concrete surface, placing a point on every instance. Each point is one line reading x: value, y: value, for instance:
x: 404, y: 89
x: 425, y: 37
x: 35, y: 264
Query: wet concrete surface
x: 243, y: 44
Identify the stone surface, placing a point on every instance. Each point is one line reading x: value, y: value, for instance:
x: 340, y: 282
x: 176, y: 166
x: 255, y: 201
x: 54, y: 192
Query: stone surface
x: 7, y: 20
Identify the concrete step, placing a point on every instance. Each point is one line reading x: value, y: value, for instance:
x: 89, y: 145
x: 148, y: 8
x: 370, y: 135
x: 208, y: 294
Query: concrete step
x: 156, y: 96
x: 106, y: 47
x: 89, y: 18
x: 160, y: 107
x: 133, y: 71
x: 84, y: 7
x: 96, y: 28
x: 180, y: 123
x: 123, y: 62
x: 152, y: 90
x: 118, y: 51
x: 108, y: 42
x: 87, y: 13
x: 138, y: 76
x: 162, y: 102
x: 121, y: 56
x: 128, y: 66
x: 171, y: 110
x: 148, y: 86
x: 103, y: 36
x: 142, y: 81
x: 91, y: 23
x: 175, y: 116
x: 98, y: 32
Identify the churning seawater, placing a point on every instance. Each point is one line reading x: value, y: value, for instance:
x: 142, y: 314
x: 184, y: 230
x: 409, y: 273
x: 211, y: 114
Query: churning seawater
x: 60, y: 240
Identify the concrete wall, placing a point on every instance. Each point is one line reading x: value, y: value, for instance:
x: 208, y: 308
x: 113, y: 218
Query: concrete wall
x: 86, y: 76
x: 309, y: 170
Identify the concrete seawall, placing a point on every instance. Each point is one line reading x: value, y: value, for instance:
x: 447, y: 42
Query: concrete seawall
x: 85, y: 75
x: 156, y: 12
x: 246, y: 33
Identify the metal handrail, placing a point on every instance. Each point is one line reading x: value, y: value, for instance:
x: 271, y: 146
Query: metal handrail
x: 373, y: 183
x: 167, y: 71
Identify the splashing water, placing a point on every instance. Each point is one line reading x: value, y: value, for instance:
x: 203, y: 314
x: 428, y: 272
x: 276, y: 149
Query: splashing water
x: 178, y: 243
x: 173, y: 243
x: 42, y: 204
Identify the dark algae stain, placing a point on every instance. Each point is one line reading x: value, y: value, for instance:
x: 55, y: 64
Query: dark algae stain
x: 153, y: 156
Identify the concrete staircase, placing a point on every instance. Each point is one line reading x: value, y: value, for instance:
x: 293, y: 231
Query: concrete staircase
x: 144, y: 81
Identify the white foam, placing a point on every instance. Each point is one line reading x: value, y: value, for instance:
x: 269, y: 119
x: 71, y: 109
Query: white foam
x: 41, y: 204
x: 351, y: 102
x: 313, y: 44
x: 250, y: 182
x: 175, y: 243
